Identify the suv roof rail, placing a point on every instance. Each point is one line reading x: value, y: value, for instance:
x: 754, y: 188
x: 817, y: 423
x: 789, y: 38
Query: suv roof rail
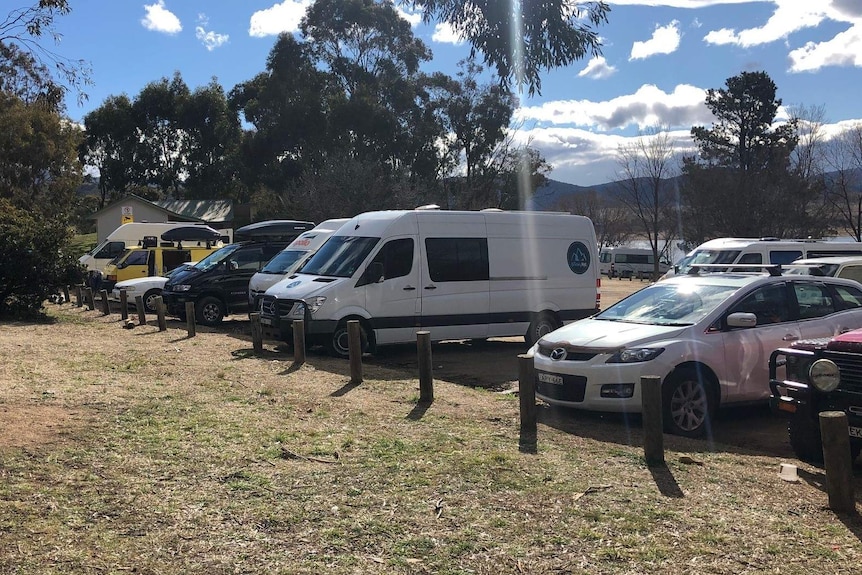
x: 772, y: 269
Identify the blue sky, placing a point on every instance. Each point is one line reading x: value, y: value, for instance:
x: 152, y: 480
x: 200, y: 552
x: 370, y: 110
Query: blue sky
x: 658, y: 59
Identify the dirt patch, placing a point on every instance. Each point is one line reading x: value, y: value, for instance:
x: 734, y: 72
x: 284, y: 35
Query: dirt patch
x: 28, y: 425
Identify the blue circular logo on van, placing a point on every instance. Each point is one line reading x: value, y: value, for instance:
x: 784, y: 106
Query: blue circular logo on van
x: 578, y: 258
x: 293, y: 284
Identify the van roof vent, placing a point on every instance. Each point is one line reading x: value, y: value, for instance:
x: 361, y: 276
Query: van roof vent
x: 429, y: 207
x: 491, y: 210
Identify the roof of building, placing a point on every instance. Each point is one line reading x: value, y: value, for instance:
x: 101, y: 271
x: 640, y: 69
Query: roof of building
x: 210, y: 211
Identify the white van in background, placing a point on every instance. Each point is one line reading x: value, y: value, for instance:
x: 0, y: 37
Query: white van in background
x: 130, y: 235
x: 291, y: 258
x: 626, y: 262
x: 457, y: 274
x: 762, y: 251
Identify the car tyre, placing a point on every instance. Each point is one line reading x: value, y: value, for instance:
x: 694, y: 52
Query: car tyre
x: 687, y: 403
x: 338, y: 344
x: 150, y: 300
x: 209, y: 311
x: 542, y: 325
x: 804, y: 434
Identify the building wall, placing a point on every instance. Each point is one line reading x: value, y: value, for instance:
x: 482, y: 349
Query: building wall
x: 112, y: 217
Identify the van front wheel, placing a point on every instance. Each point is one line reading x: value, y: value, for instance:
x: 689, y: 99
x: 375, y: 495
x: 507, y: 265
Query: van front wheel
x: 210, y: 311
x: 338, y: 344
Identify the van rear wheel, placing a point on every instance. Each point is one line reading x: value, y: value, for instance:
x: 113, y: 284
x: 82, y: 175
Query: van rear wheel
x: 541, y: 326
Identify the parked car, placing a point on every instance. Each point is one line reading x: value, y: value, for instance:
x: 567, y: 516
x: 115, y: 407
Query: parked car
x: 148, y: 288
x: 819, y: 375
x: 708, y: 336
x: 849, y: 267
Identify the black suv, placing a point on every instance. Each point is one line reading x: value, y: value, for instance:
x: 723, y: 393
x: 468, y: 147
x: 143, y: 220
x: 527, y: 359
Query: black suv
x: 820, y: 375
x: 218, y: 284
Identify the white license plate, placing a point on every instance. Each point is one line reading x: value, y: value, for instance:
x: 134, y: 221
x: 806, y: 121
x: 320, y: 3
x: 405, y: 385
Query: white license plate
x: 265, y: 321
x: 856, y: 432
x: 550, y: 378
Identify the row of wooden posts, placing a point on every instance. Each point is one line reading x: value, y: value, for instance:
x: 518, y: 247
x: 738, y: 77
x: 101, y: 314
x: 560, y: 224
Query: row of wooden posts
x: 833, y: 424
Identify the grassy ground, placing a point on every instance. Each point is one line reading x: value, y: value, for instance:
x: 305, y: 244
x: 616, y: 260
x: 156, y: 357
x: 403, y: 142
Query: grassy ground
x: 150, y: 452
x: 83, y: 243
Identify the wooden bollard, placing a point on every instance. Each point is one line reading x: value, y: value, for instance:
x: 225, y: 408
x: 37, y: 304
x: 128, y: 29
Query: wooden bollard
x: 106, y: 305
x: 160, y: 313
x: 79, y: 298
x: 837, y: 461
x: 256, y: 333
x: 653, y: 425
x: 66, y: 296
x: 191, y: 327
x: 426, y: 378
x: 88, y: 296
x: 142, y: 313
x: 354, y: 344
x: 527, y: 395
x: 124, y: 305
x: 298, y: 341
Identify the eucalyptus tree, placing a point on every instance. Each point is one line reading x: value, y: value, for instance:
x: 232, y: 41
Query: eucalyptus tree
x: 110, y: 147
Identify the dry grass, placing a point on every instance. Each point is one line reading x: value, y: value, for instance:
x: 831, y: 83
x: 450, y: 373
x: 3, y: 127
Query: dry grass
x: 148, y: 452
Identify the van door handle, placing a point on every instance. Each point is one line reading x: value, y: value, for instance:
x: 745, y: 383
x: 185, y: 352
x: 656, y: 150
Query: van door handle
x: 790, y: 337
x: 430, y: 287
x: 408, y: 288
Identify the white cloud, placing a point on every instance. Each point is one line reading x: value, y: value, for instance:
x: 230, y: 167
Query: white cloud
x: 845, y: 49
x: 665, y: 40
x: 284, y: 17
x: 597, y: 68
x: 444, y: 33
x: 647, y: 107
x: 211, y: 40
x: 160, y: 19
x: 412, y: 15
x: 790, y: 16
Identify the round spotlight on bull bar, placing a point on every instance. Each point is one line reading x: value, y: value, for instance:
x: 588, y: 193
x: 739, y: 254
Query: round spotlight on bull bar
x: 824, y: 374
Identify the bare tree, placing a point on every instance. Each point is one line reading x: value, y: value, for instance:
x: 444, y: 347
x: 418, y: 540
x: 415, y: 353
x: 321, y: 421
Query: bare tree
x: 644, y: 188
x: 612, y: 221
x: 844, y: 186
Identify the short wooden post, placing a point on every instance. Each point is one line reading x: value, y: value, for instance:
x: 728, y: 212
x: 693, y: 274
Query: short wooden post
x: 106, y: 305
x: 653, y: 425
x: 160, y: 313
x: 88, y: 296
x: 354, y: 344
x: 79, y: 298
x: 527, y: 394
x: 66, y: 296
x: 142, y: 313
x: 426, y: 378
x: 836, y: 460
x: 298, y: 341
x: 124, y: 304
x: 256, y: 333
x: 191, y: 327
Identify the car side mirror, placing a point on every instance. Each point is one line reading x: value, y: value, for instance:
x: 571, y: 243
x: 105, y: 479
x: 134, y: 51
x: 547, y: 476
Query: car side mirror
x: 741, y: 319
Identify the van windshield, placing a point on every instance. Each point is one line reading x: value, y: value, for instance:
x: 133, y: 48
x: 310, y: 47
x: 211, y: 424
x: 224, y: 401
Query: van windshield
x: 284, y: 262
x: 707, y: 257
x: 216, y: 257
x: 340, y: 256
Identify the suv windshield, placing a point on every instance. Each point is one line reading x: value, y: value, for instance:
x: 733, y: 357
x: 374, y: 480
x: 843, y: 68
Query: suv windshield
x: 340, y: 256
x: 216, y: 257
x: 283, y: 262
x: 668, y: 304
x: 811, y: 269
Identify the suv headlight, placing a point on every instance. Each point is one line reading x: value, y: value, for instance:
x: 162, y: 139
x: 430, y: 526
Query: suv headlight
x: 636, y: 355
x: 182, y: 287
x: 824, y: 375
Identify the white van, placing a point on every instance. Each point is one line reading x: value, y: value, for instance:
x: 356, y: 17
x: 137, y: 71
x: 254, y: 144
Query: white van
x: 762, y: 251
x: 291, y: 258
x: 626, y: 262
x: 457, y: 274
x: 130, y: 235
x: 849, y: 267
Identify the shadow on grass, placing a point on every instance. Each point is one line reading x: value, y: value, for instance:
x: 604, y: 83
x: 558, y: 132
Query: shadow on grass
x: 419, y: 410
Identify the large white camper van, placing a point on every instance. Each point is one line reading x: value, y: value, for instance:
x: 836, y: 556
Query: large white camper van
x: 762, y: 251
x: 457, y: 274
x: 624, y: 261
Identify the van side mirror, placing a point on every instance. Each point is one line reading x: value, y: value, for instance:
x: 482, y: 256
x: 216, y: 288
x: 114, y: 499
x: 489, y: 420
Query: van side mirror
x: 373, y: 274
x: 232, y: 265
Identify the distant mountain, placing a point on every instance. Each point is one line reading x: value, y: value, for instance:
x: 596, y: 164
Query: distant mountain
x: 548, y: 196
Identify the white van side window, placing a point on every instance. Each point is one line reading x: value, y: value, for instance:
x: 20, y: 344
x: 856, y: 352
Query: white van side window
x: 396, y: 257
x: 457, y: 259
x: 784, y: 256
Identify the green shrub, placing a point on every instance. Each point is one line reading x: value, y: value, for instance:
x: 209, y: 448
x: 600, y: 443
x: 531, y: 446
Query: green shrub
x: 36, y: 261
